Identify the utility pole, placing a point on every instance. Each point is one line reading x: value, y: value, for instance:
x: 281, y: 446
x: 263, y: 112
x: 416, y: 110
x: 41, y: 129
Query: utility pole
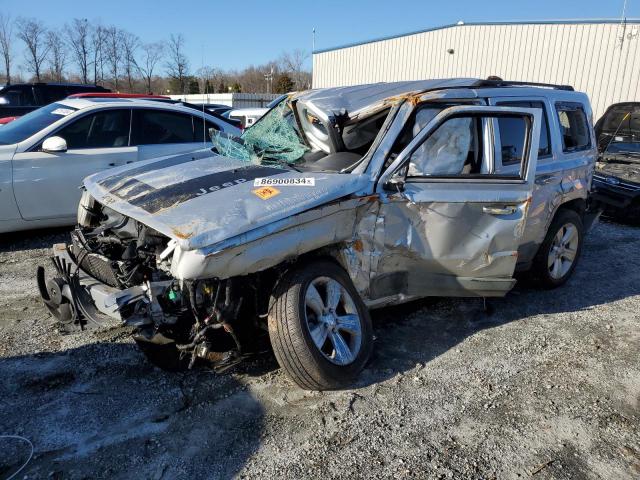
x: 269, y: 79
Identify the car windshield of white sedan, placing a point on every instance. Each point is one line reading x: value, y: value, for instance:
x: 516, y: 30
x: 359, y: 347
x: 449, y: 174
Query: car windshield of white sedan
x: 274, y: 139
x: 31, y: 123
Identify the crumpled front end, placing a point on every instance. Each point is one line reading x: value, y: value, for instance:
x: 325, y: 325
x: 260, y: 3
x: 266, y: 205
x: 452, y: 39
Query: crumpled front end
x: 185, y: 305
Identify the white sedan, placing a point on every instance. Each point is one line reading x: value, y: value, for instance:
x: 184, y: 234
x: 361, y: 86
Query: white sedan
x: 45, y: 155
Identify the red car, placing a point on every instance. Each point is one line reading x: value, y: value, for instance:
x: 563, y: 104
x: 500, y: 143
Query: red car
x: 5, y: 120
x: 116, y: 95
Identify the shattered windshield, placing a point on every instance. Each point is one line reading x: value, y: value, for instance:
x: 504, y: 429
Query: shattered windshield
x: 274, y: 139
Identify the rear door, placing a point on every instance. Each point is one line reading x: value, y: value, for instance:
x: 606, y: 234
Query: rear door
x: 547, y: 188
x: 449, y: 223
x: 46, y: 185
x: 158, y: 133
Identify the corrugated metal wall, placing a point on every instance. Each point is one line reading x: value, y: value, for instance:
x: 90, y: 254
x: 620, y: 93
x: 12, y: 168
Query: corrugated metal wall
x: 600, y: 58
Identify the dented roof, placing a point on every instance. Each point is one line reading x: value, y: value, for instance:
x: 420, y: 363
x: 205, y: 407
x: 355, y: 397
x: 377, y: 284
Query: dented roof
x: 352, y: 99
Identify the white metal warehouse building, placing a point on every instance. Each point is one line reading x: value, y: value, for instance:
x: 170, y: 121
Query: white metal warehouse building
x: 600, y: 57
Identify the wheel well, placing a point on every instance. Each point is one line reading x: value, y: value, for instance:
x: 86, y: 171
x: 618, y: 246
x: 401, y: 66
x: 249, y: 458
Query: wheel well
x: 579, y: 205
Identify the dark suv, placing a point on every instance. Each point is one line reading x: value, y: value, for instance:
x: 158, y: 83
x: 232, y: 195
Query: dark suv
x: 616, y: 182
x: 21, y: 98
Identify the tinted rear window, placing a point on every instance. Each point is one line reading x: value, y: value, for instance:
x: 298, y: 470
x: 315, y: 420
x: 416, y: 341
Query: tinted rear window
x: 154, y: 127
x: 574, y: 127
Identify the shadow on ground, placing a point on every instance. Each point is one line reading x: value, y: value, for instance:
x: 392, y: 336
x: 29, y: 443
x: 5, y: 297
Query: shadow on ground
x: 102, y: 411
x: 418, y: 332
x: 104, y: 405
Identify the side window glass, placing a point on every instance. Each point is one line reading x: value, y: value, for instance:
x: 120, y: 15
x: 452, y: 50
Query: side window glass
x: 19, y: 97
x: 202, y: 129
x: 512, y: 134
x: 107, y: 129
x: 53, y: 93
x: 455, y: 148
x: 157, y: 127
x: 573, y: 127
x: 544, y: 145
x: 423, y: 115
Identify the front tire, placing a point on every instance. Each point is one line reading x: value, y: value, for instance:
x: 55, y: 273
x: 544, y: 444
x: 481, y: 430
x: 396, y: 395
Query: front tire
x: 319, y: 327
x: 559, y: 253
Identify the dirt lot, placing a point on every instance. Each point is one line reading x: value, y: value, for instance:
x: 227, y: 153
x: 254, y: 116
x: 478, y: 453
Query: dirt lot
x: 545, y: 385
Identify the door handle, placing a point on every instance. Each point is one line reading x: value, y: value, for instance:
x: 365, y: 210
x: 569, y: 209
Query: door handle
x: 499, y: 210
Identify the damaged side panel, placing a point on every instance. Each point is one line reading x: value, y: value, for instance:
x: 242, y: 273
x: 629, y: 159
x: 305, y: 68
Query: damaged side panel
x: 435, y: 248
x: 271, y: 245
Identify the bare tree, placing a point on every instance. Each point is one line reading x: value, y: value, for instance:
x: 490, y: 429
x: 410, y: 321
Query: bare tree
x: 130, y: 44
x: 177, y: 64
x: 98, y: 39
x: 78, y: 38
x: 33, y: 33
x: 293, y: 64
x: 151, y: 55
x: 113, y: 43
x: 209, y: 78
x: 6, y: 37
x: 57, y: 56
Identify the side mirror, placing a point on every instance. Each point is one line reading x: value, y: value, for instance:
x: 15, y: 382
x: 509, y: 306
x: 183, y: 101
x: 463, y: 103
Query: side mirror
x: 54, y: 145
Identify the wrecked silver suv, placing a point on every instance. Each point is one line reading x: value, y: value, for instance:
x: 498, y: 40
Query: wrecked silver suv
x: 336, y: 201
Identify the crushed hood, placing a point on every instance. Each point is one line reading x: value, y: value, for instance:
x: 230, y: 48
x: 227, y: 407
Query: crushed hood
x: 200, y: 199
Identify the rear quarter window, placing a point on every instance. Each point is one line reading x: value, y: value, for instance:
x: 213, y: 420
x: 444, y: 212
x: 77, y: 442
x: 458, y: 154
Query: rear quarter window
x: 154, y: 127
x: 574, y: 127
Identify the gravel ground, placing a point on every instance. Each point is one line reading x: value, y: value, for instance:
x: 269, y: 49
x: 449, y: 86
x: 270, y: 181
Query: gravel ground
x: 542, y: 384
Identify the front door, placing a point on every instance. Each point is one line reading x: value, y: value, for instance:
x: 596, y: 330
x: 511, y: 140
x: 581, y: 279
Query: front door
x: 47, y: 185
x: 450, y: 224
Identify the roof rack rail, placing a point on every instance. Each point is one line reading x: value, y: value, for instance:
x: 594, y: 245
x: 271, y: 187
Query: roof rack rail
x: 506, y: 83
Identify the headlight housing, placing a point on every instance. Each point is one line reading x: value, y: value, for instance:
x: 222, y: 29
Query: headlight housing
x: 87, y: 210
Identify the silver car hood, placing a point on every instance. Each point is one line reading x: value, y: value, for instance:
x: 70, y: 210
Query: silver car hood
x: 200, y: 199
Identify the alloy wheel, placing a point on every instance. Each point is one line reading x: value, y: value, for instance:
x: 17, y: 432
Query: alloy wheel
x: 563, y: 251
x: 333, y: 320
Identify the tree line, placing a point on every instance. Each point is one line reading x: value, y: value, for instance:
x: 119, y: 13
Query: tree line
x: 88, y: 52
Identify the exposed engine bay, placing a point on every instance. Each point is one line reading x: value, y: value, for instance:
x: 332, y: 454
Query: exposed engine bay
x: 176, y: 323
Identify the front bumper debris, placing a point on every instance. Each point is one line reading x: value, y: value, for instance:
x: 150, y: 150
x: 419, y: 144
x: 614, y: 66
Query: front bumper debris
x: 75, y: 298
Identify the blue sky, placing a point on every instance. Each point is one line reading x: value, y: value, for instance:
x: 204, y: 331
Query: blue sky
x: 234, y: 34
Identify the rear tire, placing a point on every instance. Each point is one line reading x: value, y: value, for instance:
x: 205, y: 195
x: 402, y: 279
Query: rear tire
x: 559, y: 253
x: 319, y: 327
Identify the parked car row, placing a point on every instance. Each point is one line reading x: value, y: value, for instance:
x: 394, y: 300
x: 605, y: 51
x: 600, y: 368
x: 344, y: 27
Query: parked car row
x: 45, y: 154
x: 334, y: 202
x: 21, y: 98
x: 249, y: 116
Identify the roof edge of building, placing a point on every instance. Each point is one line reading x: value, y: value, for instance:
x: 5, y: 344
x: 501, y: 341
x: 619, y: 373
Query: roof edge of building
x: 611, y: 21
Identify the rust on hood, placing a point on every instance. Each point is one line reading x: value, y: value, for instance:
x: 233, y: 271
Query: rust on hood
x: 181, y: 235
